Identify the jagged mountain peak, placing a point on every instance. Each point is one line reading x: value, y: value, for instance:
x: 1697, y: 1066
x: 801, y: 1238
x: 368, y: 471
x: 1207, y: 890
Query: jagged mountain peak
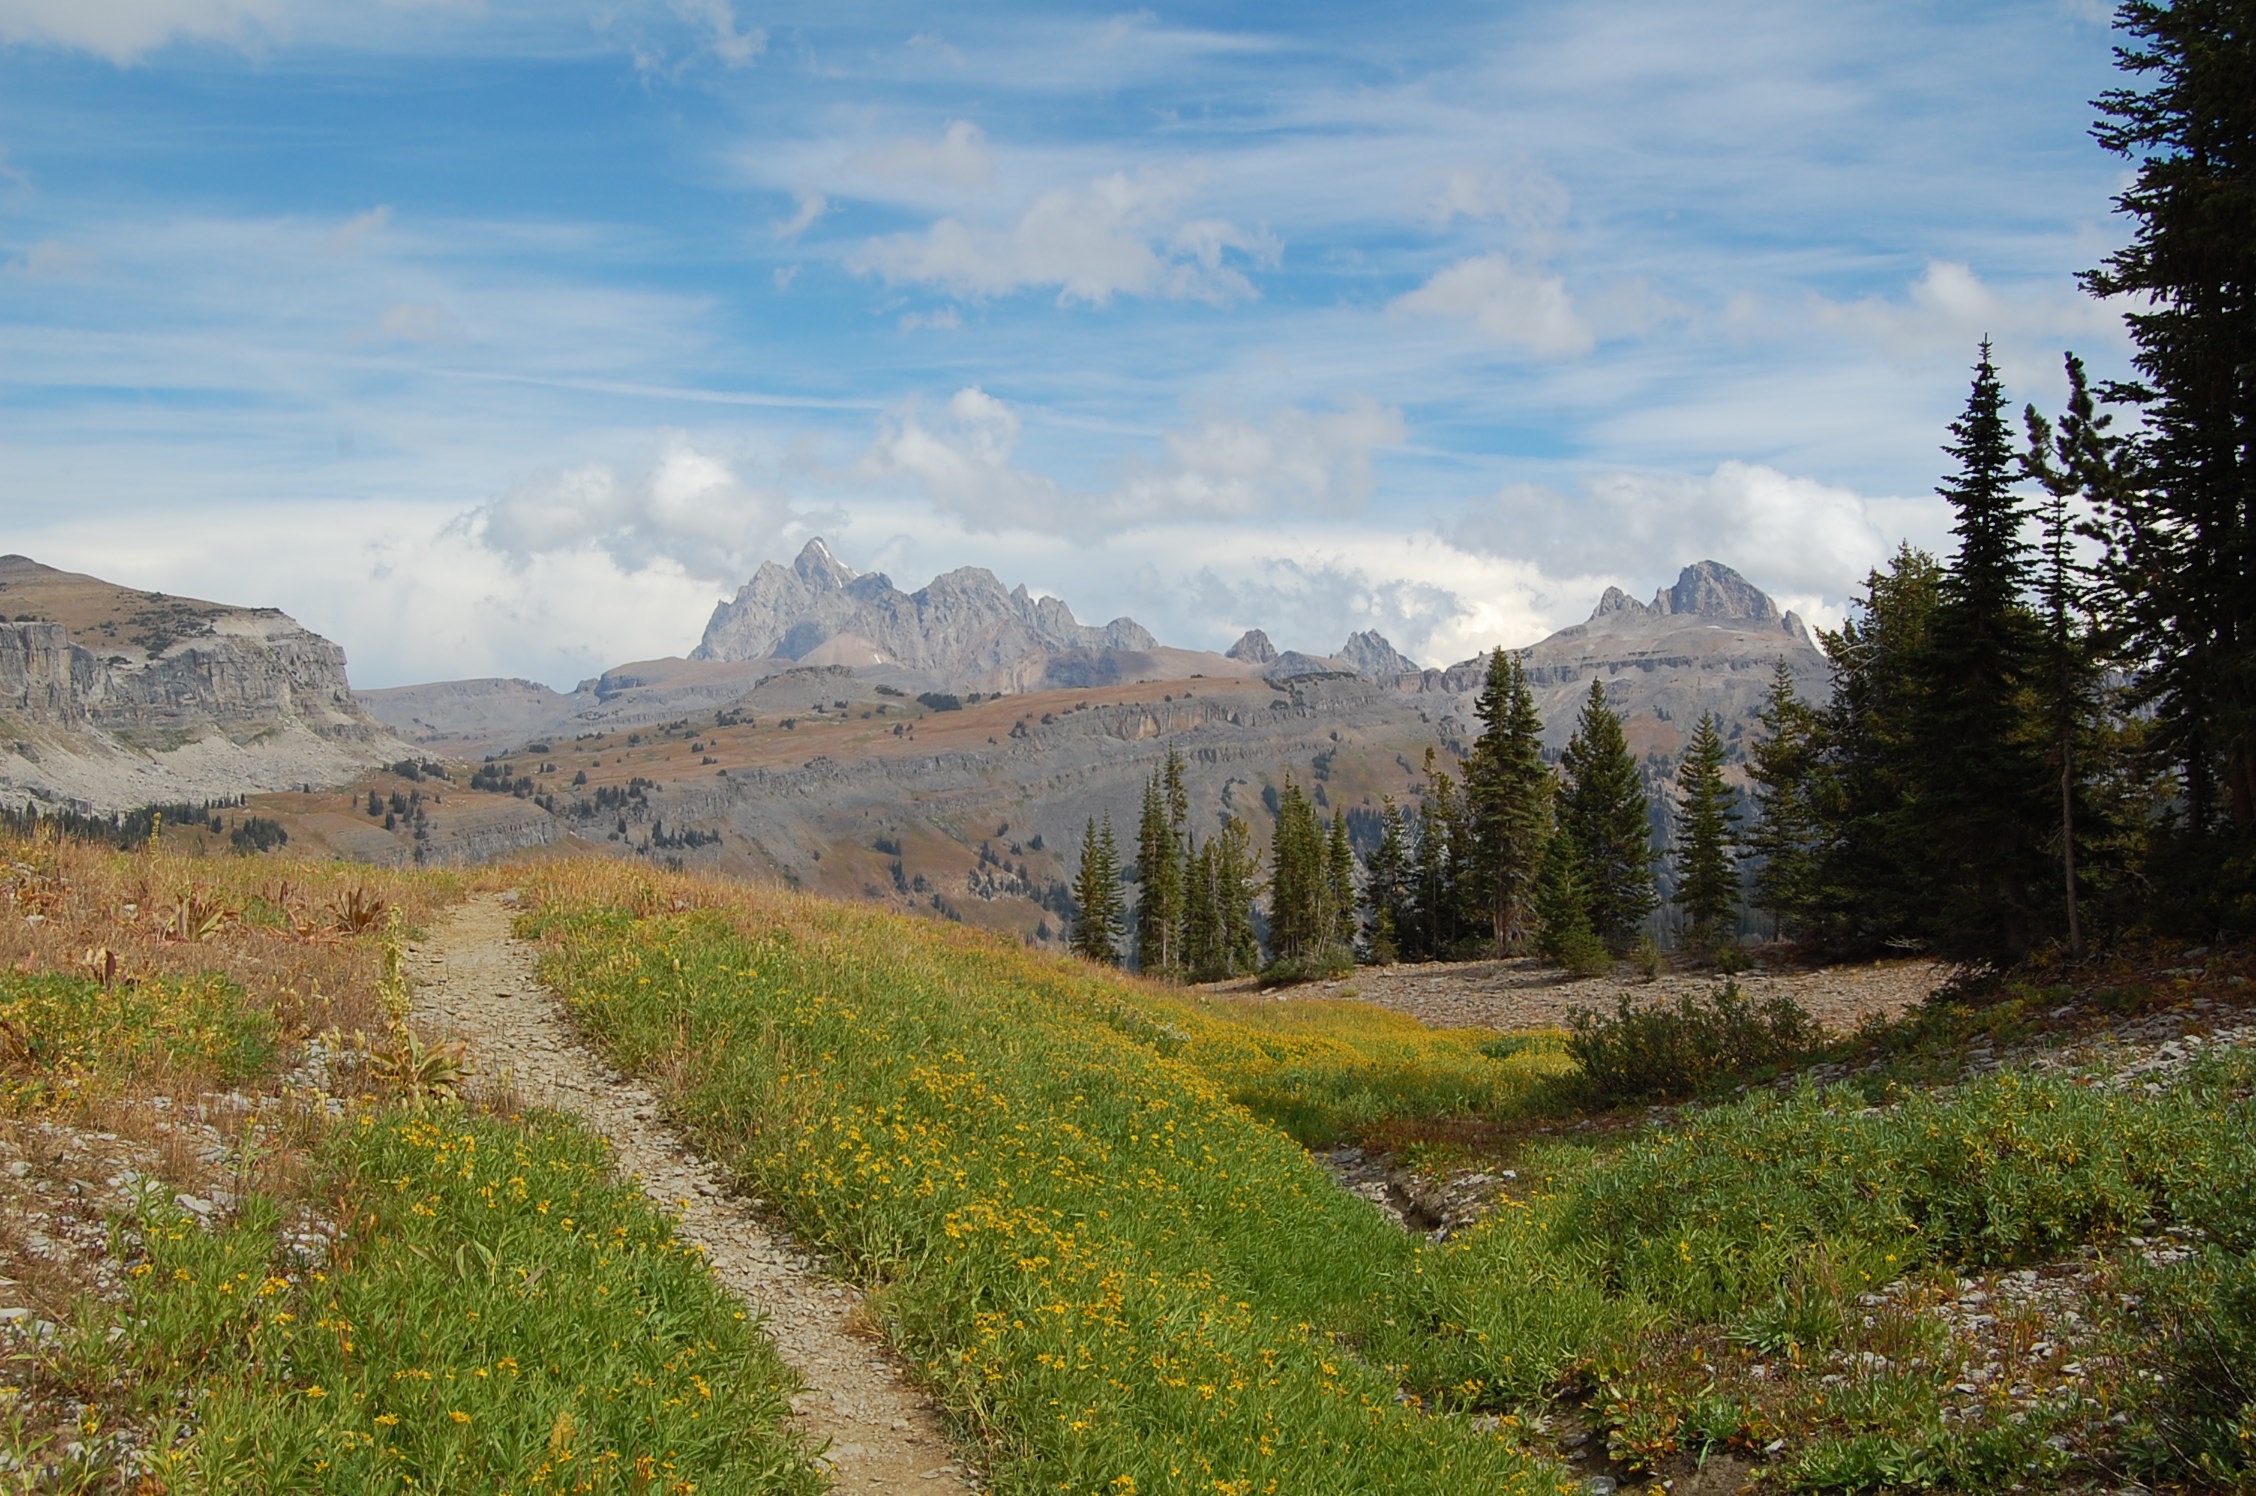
x: 1254, y: 648
x: 818, y: 568
x: 1705, y: 589
x: 963, y: 627
x: 1372, y: 655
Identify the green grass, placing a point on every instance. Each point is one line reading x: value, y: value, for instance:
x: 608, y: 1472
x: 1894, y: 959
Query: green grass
x: 1104, y: 1265
x: 498, y: 1316
x: 1079, y: 1203
x: 58, y: 1032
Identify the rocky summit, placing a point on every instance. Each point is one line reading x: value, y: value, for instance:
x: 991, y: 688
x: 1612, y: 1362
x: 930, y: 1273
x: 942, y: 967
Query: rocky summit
x: 112, y: 698
x: 963, y: 628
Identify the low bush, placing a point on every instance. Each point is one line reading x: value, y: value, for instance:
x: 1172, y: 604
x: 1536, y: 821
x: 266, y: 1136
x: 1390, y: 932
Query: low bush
x: 1327, y: 965
x: 1658, y: 1051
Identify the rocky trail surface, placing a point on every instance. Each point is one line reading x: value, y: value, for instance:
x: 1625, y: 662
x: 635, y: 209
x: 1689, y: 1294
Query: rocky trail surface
x: 1524, y: 993
x: 475, y: 982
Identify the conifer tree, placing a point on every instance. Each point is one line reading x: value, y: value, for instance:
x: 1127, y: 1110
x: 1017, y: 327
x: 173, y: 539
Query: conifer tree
x: 1387, y: 889
x: 1707, y: 876
x: 1160, y: 834
x: 1562, y: 900
x: 1096, y: 890
x: 1440, y: 869
x: 1782, y: 765
x: 1602, y: 802
x: 1868, y: 881
x: 1982, y: 801
x: 2181, y: 571
x: 2074, y: 465
x: 1509, y: 789
x: 1339, y: 887
x: 1300, y: 921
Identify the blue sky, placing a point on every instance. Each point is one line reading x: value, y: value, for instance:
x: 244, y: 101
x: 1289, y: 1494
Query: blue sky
x: 500, y: 338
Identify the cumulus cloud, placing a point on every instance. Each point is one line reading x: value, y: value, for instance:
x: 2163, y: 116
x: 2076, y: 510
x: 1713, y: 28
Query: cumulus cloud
x: 1119, y: 235
x: 960, y: 158
x: 1508, y: 303
x: 687, y: 508
x: 1797, y: 538
x: 125, y: 31
x: 1950, y: 309
x: 1225, y: 467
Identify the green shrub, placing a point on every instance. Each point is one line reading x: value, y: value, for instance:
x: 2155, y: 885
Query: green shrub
x: 1646, y: 957
x: 1327, y: 965
x: 1582, y: 953
x: 1659, y: 1051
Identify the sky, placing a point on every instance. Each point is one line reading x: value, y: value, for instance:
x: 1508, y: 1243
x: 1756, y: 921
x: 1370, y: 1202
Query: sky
x: 491, y: 337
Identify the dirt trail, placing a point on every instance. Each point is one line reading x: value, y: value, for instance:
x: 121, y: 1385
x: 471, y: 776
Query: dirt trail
x: 475, y: 982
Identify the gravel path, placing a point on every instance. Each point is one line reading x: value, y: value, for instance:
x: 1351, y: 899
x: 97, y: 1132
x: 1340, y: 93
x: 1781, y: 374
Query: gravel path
x: 475, y: 982
x: 1528, y: 994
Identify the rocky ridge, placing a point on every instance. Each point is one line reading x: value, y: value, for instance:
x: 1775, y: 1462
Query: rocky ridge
x: 963, y: 626
x: 112, y: 698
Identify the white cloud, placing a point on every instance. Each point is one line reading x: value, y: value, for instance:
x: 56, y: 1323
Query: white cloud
x: 811, y: 206
x: 1797, y: 538
x: 1296, y: 462
x: 1507, y: 303
x: 947, y: 319
x: 51, y: 259
x: 960, y: 158
x: 418, y: 322
x: 1119, y: 235
x: 124, y: 31
x: 1531, y: 203
x: 687, y: 509
x: 351, y: 236
x: 717, y: 18
x: 1950, y: 309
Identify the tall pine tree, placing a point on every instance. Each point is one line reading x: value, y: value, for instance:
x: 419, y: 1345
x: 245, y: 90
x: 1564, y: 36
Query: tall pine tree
x: 1602, y: 803
x: 1300, y: 916
x: 1707, y: 874
x: 1387, y: 888
x: 2074, y: 465
x: 1982, y: 802
x: 1160, y: 872
x: 2181, y: 566
x: 1509, y: 788
x: 1096, y: 891
x: 1783, y: 765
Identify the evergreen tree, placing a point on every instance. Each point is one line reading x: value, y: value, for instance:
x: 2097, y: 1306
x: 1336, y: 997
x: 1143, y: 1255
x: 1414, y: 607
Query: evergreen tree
x: 1387, y: 886
x: 2074, y: 465
x: 1562, y: 900
x: 1300, y: 920
x: 1339, y: 887
x: 1783, y: 765
x: 1160, y: 835
x: 1439, y: 892
x: 2181, y: 567
x: 1235, y: 876
x: 1509, y: 788
x: 1096, y: 891
x: 1982, y: 803
x: 1602, y: 802
x: 1867, y: 878
x: 1707, y: 877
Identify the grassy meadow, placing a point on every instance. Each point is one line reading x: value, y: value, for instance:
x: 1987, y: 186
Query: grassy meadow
x: 1085, y: 1210
x: 323, y: 1271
